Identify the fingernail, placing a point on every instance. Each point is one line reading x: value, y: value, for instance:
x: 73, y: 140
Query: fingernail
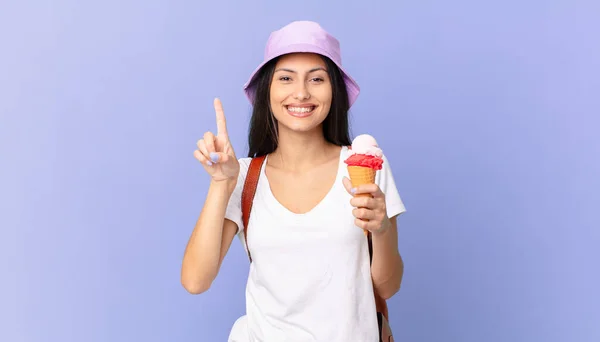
x: 214, y: 157
x: 209, y: 163
x: 353, y: 190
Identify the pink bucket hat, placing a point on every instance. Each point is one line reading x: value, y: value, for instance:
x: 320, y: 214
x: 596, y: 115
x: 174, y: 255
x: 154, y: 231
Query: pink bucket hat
x: 303, y: 36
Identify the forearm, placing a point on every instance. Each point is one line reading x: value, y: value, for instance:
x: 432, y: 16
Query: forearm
x: 387, y: 267
x: 202, y: 254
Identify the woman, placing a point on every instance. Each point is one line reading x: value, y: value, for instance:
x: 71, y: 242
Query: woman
x: 310, y: 278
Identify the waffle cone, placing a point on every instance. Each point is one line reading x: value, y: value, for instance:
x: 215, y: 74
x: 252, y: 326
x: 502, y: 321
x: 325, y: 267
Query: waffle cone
x: 361, y: 175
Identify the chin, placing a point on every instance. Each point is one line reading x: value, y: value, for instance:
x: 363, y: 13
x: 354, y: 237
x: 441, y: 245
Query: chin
x: 301, y: 125
x: 298, y: 127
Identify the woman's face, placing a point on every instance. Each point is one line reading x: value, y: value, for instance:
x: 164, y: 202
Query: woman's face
x: 300, y: 92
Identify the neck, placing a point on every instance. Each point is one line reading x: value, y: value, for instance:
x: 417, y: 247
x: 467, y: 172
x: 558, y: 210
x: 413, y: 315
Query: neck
x: 302, y: 151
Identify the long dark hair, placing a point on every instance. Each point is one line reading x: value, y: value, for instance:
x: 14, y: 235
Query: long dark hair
x: 262, y: 136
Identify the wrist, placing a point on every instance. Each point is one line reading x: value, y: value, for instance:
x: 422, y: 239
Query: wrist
x: 227, y: 185
x: 385, y: 228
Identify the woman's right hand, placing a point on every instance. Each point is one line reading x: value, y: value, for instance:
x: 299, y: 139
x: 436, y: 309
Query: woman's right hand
x: 216, y: 153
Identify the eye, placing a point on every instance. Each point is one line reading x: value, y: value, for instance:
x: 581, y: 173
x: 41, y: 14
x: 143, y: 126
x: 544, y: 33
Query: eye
x: 285, y: 79
x: 317, y: 79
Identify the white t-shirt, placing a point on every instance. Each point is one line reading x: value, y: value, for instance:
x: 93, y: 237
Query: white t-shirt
x: 310, y: 277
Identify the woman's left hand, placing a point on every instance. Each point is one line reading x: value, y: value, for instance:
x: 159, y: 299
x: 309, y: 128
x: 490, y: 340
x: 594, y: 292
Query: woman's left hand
x: 370, y: 211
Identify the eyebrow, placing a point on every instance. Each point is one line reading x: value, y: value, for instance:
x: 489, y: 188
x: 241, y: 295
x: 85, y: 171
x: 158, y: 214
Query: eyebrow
x: 292, y: 71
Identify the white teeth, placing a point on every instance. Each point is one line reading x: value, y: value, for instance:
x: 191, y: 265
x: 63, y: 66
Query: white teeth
x: 300, y: 109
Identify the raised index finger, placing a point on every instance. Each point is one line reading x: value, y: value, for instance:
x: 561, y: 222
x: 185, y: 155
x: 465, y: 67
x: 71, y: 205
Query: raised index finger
x: 221, y: 122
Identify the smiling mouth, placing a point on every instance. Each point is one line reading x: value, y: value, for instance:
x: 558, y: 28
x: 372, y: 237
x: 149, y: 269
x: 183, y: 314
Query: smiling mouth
x: 300, y: 111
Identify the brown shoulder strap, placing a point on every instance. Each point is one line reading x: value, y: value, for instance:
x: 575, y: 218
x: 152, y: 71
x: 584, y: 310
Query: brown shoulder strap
x: 248, y: 192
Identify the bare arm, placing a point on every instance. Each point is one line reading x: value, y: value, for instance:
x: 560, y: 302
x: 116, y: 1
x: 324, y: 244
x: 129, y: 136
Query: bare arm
x: 209, y: 242
x: 387, y: 268
x: 370, y: 212
x: 212, y: 235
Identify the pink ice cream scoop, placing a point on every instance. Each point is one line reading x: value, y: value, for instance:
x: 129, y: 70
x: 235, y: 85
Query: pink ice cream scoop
x: 365, y: 152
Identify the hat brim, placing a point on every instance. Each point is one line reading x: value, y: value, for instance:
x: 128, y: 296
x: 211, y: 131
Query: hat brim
x: 351, y: 86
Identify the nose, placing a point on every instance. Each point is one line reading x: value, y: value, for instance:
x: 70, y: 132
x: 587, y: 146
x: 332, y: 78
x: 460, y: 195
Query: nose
x: 301, y: 92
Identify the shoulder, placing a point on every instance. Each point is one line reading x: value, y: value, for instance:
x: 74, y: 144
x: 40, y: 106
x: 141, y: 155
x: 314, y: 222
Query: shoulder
x: 244, y: 166
x: 245, y: 160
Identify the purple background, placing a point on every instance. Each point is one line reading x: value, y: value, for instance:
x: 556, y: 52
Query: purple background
x: 488, y: 112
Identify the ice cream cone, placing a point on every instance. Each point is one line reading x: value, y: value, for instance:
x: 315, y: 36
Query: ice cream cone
x: 360, y: 175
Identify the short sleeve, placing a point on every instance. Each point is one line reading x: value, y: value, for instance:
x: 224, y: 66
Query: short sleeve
x: 234, y: 206
x: 385, y: 180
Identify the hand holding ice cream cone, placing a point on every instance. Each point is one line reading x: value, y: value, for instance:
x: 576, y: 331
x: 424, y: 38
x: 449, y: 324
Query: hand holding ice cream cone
x: 364, y: 160
x: 369, y: 205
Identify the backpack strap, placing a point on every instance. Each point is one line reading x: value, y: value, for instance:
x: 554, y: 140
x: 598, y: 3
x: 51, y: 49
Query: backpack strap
x: 248, y: 193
